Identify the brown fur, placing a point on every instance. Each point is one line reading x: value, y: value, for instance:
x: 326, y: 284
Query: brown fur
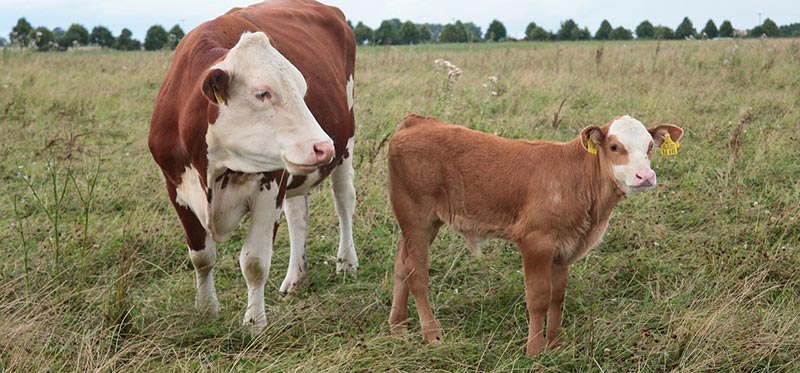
x: 553, y: 200
x: 313, y: 36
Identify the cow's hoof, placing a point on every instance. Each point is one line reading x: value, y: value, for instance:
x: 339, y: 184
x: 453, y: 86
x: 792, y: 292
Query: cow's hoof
x: 207, y: 306
x: 344, y: 267
x: 291, y: 283
x: 255, y: 323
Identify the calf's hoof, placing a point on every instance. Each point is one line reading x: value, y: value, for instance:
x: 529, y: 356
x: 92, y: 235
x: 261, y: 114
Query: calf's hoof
x: 535, y: 346
x: 434, y: 337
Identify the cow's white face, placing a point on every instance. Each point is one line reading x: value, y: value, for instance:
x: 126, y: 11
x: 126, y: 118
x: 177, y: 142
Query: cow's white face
x: 262, y: 122
x: 625, y: 146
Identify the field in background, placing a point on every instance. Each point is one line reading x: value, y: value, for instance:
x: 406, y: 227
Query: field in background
x: 700, y: 274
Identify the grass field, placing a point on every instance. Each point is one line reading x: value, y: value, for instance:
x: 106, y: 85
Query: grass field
x: 700, y: 274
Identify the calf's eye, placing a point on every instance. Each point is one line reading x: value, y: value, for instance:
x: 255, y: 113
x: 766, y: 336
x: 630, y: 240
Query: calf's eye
x: 613, y: 148
x: 263, y: 95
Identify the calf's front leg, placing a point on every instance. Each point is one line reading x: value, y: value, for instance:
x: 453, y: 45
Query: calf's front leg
x: 537, y: 262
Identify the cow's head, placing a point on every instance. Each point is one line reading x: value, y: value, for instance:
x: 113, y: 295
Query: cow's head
x: 625, y: 146
x: 258, y: 120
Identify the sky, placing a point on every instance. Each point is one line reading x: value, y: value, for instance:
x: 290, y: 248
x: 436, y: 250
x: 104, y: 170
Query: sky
x: 139, y: 15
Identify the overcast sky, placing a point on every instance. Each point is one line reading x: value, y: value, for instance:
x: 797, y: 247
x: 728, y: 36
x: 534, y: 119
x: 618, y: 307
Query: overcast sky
x: 139, y: 15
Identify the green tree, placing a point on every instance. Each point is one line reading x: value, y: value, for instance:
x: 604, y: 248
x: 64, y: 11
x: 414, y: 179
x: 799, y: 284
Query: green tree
x: 726, y: 29
x: 19, y: 33
x: 101, y: 36
x: 534, y: 32
x: 620, y: 33
x: 42, y: 39
x: 425, y: 34
x: 126, y: 42
x: 454, y: 33
x: 645, y: 30
x: 685, y: 29
x: 474, y: 32
x: 75, y: 35
x: 3, y: 41
x: 663, y: 33
x: 496, y: 31
x: 567, y: 30
x: 409, y: 33
x: 385, y: 34
x: 156, y: 38
x: 581, y: 34
x: 791, y: 30
x: 604, y: 31
x: 770, y: 28
x: 756, y: 32
x: 175, y: 36
x: 350, y: 24
x: 363, y: 33
x: 711, y: 29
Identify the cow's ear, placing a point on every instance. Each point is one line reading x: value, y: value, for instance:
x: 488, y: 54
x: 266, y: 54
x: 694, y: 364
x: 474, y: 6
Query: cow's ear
x: 216, y: 86
x: 659, y: 133
x: 591, y: 138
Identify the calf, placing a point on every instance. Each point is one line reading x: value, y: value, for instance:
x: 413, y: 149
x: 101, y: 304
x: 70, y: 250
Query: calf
x: 256, y: 107
x: 551, y: 199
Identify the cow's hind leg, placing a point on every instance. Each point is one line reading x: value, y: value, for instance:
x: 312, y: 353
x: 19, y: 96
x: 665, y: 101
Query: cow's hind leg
x: 256, y: 255
x: 202, y: 252
x: 344, y: 198
x: 296, y: 210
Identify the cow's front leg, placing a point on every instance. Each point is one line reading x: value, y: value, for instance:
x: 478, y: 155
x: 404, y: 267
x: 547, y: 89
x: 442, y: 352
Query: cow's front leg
x: 344, y: 198
x: 296, y: 210
x: 256, y: 255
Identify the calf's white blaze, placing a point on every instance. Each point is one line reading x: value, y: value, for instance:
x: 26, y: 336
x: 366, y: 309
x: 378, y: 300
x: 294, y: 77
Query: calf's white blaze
x: 633, y: 136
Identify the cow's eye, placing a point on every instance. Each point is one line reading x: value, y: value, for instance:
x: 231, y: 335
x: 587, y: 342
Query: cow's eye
x: 613, y: 148
x: 263, y: 95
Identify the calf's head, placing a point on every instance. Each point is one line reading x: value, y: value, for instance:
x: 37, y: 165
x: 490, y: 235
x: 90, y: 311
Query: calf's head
x: 258, y: 119
x: 624, y: 148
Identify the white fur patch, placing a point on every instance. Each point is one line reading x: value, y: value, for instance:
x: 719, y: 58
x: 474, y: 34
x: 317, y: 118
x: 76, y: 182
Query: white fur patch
x: 633, y: 135
x: 190, y: 194
x: 350, y: 99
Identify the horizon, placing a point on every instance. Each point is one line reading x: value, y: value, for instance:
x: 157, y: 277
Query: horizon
x: 515, y: 15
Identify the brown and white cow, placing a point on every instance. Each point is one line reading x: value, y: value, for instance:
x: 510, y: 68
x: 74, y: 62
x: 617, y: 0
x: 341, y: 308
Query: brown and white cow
x: 250, y: 94
x: 551, y: 199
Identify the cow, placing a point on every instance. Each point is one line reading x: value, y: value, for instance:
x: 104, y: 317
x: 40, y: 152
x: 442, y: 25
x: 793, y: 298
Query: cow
x: 551, y: 199
x: 256, y: 108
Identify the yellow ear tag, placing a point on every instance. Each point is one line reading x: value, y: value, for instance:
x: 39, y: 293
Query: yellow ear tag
x: 218, y: 97
x: 591, y: 147
x: 669, y: 147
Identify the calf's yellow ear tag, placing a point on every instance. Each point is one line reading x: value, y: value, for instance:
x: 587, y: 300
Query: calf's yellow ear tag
x: 591, y: 147
x: 669, y: 147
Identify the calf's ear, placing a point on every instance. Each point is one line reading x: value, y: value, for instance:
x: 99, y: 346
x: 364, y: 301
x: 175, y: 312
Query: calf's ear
x: 659, y: 133
x: 216, y: 86
x: 592, y: 134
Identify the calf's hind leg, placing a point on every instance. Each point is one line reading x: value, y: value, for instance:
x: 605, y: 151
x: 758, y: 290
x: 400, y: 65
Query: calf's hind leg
x: 411, y: 273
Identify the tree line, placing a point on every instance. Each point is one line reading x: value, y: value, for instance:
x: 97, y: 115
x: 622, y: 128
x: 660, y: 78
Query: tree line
x: 393, y: 31
x: 24, y: 35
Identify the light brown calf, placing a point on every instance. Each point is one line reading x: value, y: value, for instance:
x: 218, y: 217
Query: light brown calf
x: 551, y: 199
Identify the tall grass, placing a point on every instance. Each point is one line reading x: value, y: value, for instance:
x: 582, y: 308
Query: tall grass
x: 700, y: 274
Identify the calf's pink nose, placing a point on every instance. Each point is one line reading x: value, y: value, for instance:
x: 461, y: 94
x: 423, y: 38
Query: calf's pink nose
x: 324, y: 152
x: 645, y: 177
